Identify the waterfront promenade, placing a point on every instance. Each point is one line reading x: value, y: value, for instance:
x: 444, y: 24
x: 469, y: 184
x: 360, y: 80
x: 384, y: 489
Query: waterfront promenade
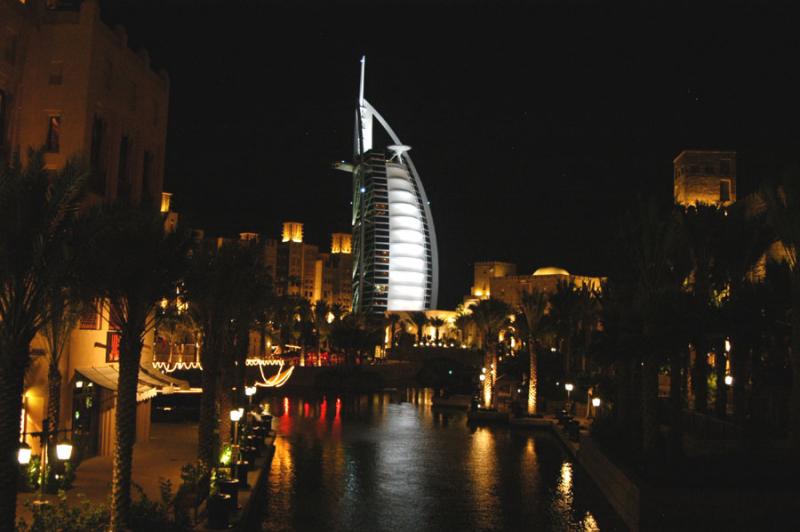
x: 170, y: 447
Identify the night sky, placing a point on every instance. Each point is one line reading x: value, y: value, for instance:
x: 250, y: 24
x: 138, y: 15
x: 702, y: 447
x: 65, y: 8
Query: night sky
x: 532, y: 128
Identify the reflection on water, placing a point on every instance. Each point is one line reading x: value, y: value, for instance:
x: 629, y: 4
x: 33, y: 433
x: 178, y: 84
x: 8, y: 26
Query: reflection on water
x: 389, y: 462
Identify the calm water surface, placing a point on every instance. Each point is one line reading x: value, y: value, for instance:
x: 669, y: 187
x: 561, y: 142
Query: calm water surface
x: 389, y: 462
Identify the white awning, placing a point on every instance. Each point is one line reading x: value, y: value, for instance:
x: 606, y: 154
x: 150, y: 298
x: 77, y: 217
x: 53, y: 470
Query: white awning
x: 150, y: 382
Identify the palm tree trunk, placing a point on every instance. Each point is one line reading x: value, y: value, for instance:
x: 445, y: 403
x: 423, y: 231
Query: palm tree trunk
x: 129, y: 357
x: 225, y: 405
x: 676, y: 399
x: 794, y: 400
x: 622, y: 403
x: 649, y: 405
x: 738, y: 352
x: 53, y: 396
x: 11, y: 385
x: 207, y: 440
x: 721, y: 398
x: 533, y: 378
x: 700, y: 377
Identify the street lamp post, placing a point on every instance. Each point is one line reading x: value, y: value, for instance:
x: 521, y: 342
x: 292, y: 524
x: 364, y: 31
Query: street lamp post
x: 595, y: 405
x: 569, y: 387
x: 250, y: 391
x: 63, y: 451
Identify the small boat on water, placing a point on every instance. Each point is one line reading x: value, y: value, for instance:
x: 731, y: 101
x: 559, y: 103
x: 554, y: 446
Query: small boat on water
x: 453, y: 401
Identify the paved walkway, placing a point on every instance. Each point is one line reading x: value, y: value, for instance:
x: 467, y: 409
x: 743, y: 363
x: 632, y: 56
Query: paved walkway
x: 170, y: 447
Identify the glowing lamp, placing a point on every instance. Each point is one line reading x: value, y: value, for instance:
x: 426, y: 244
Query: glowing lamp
x: 79, y: 384
x: 236, y: 414
x: 595, y: 402
x: 249, y: 391
x: 64, y: 451
x: 728, y: 380
x: 482, y: 377
x: 24, y: 454
x: 569, y: 387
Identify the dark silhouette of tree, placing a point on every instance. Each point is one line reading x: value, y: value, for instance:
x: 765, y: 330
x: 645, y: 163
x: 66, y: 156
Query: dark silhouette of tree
x: 137, y: 263
x: 36, y: 216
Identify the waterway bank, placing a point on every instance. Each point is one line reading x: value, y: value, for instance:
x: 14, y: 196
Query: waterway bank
x: 389, y: 461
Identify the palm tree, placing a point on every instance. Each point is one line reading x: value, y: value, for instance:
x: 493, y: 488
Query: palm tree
x: 563, y: 315
x: 533, y: 307
x: 744, y: 240
x: 655, y: 274
x: 64, y: 311
x: 138, y: 263
x: 490, y: 316
x: 701, y: 227
x: 393, y: 321
x: 783, y: 215
x: 437, y: 323
x: 215, y: 283
x: 420, y: 320
x: 36, y: 214
x: 320, y: 316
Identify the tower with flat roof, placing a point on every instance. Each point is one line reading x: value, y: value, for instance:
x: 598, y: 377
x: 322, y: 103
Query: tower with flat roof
x: 705, y: 176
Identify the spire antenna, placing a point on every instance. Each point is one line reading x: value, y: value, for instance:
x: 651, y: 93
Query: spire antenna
x: 361, y: 84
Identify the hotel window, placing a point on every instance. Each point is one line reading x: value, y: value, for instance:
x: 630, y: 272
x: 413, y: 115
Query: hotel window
x: 725, y: 190
x: 11, y: 49
x: 108, y: 75
x: 97, y: 156
x: 53, y: 143
x: 56, y: 73
x: 147, y: 170
x: 89, y: 316
x: 3, y: 105
x: 133, y: 96
x: 123, y: 170
x: 114, y: 317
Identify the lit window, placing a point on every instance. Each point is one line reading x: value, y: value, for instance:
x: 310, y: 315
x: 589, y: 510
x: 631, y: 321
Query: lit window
x: 56, y: 73
x: 53, y: 143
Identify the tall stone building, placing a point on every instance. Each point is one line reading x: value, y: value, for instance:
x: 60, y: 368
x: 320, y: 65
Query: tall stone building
x: 73, y: 87
x: 703, y: 176
x: 70, y: 85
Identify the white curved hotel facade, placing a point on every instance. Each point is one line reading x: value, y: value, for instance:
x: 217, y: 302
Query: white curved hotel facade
x: 395, y: 262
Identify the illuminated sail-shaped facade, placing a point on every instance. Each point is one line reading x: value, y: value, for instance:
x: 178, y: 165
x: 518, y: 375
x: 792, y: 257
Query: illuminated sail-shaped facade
x: 395, y: 262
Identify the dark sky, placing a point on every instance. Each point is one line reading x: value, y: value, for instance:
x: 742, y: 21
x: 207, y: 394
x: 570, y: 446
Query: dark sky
x: 532, y: 128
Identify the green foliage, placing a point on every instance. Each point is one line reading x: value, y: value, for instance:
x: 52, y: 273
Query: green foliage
x: 226, y: 454
x: 159, y: 516
x: 66, y: 517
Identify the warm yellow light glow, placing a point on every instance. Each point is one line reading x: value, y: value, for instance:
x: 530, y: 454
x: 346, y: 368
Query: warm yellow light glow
x: 595, y: 402
x: 79, y: 384
x: 64, y: 451
x: 341, y: 243
x: 569, y: 387
x: 236, y: 414
x: 728, y: 380
x: 482, y: 377
x: 292, y: 232
x: 24, y: 454
x: 250, y: 391
x: 727, y: 345
x: 166, y: 199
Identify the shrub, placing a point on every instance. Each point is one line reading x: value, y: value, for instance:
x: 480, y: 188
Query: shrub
x: 66, y: 517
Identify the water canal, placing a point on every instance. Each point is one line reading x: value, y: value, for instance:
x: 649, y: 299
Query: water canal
x: 391, y: 462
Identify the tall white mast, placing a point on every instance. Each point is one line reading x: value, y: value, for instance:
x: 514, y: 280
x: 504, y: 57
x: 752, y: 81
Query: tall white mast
x: 364, y: 115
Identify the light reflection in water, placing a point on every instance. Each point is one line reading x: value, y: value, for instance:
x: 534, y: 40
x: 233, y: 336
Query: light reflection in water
x: 381, y: 463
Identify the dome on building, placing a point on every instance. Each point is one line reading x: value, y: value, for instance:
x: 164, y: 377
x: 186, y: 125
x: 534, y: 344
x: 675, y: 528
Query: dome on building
x: 550, y: 270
